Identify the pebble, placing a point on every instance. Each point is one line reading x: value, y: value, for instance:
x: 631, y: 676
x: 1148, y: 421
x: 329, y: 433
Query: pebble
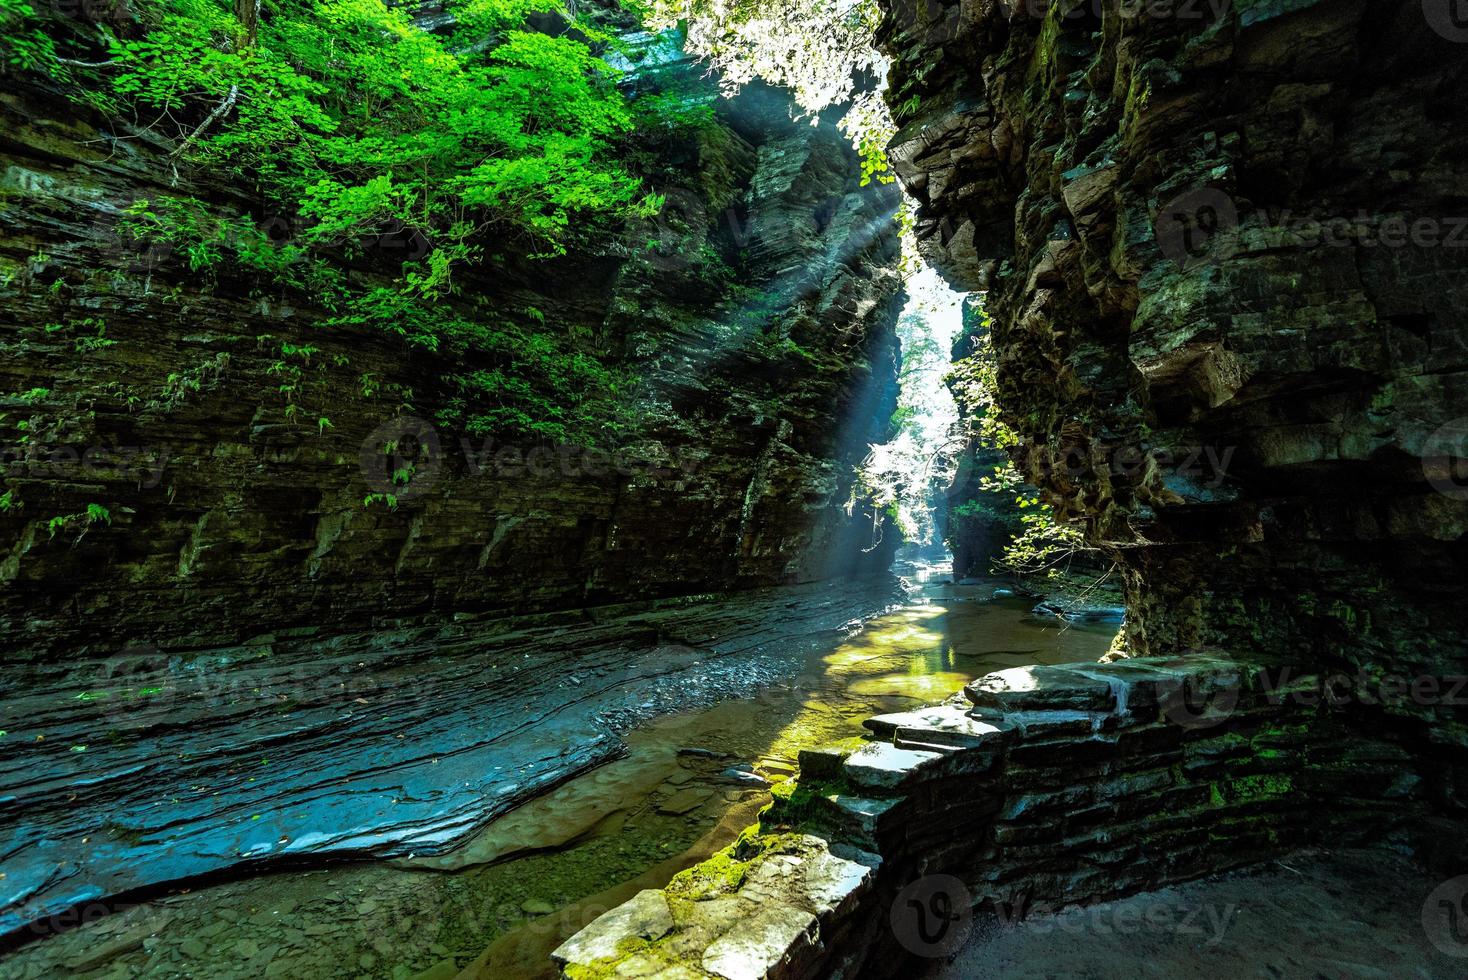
x: 703, y: 753
x: 537, y: 907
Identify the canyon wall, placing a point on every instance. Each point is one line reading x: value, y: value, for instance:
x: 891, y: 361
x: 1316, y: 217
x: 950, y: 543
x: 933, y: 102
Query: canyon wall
x: 1224, y: 248
x: 190, y: 459
x: 979, y: 521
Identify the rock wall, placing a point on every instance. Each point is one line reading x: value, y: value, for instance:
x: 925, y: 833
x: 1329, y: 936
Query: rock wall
x: 978, y: 523
x: 1224, y: 247
x: 1040, y: 787
x: 159, y: 486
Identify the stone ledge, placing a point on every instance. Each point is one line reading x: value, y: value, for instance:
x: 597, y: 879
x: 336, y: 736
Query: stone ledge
x: 1094, y: 782
x: 763, y: 907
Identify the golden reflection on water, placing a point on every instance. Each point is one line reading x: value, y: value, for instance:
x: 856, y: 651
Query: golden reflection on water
x: 922, y: 654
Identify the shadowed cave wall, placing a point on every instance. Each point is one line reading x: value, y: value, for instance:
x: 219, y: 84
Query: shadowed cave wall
x: 1225, y: 259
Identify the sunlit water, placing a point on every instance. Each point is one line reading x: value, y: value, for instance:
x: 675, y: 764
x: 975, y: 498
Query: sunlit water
x: 543, y: 871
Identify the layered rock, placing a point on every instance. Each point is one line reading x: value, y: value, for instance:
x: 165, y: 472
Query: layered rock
x: 1225, y: 252
x: 289, y: 749
x: 226, y: 646
x: 1040, y: 787
x: 163, y: 484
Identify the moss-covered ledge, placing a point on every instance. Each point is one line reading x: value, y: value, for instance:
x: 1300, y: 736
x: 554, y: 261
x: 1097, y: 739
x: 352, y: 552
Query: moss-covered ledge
x: 1046, y: 785
x: 764, y: 906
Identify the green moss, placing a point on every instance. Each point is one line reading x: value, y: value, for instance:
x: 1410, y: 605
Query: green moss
x: 726, y: 871
x: 719, y: 875
x: 1251, y: 789
x: 797, y: 805
x: 607, y: 966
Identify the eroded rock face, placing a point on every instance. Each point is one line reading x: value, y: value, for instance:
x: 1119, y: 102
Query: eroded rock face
x: 1225, y: 248
x: 760, y: 318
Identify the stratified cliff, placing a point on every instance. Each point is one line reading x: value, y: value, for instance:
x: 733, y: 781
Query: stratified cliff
x: 168, y: 475
x: 228, y: 523
x: 1225, y: 248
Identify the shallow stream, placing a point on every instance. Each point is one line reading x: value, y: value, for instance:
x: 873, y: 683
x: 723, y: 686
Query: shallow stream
x: 496, y: 906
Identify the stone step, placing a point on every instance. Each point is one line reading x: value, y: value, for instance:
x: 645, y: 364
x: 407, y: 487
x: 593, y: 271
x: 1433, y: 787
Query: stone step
x: 944, y: 725
x: 884, y: 768
x: 907, y: 738
x: 1042, y: 689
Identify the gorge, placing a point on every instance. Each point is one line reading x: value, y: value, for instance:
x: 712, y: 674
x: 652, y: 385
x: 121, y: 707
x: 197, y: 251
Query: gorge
x: 468, y: 510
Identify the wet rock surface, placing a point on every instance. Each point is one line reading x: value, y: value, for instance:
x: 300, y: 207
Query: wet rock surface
x: 578, y: 850
x: 1049, y: 787
x: 388, y: 745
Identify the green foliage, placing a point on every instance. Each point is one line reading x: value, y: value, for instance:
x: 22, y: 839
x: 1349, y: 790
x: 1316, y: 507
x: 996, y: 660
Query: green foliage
x: 538, y: 387
x: 95, y: 341
x: 94, y: 514
x: 818, y: 49
x: 24, y: 44
x: 208, y: 241
x: 178, y: 387
x: 348, y: 115
x: 347, y: 124
x: 10, y: 501
x: 1040, y: 542
x: 679, y: 109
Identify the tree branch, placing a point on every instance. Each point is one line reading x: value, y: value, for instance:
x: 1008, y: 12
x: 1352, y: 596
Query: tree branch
x: 209, y: 120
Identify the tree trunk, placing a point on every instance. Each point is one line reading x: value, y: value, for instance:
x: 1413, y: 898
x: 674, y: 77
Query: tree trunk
x: 248, y: 13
